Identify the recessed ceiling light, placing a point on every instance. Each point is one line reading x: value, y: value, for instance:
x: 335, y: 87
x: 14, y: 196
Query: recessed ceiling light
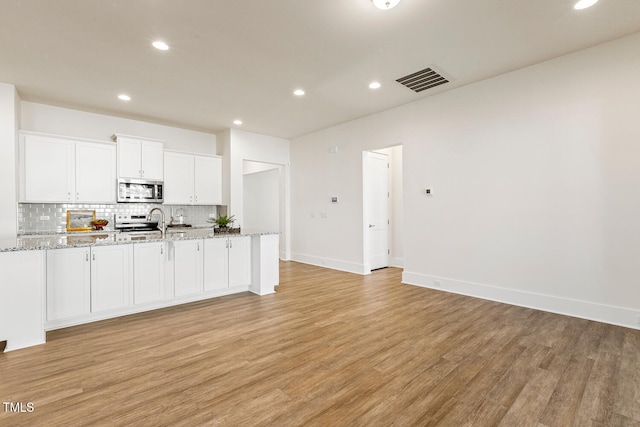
x: 374, y: 85
x: 385, y: 4
x: 160, y: 45
x: 237, y: 122
x: 124, y: 97
x: 298, y: 92
x: 583, y: 4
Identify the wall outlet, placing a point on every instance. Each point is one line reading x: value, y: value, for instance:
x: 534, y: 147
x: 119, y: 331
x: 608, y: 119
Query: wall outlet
x: 45, y: 218
x: 212, y: 215
x: 437, y: 283
x: 323, y: 214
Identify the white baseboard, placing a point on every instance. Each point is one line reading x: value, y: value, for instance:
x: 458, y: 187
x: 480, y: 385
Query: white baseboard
x: 133, y: 309
x: 334, y: 264
x: 396, y: 262
x: 583, y: 309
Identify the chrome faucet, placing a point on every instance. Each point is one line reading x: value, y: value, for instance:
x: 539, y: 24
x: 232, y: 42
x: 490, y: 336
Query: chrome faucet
x: 163, y: 225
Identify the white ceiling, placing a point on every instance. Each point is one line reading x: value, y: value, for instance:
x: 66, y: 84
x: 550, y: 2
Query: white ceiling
x: 243, y: 58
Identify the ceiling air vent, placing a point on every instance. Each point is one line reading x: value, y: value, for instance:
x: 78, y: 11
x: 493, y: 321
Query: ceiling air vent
x: 422, y: 80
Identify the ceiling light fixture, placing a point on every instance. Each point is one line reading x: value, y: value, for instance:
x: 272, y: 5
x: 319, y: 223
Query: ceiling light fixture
x: 237, y: 122
x: 160, y: 45
x: 374, y: 85
x: 124, y: 97
x: 385, y: 4
x: 583, y: 4
x: 298, y: 92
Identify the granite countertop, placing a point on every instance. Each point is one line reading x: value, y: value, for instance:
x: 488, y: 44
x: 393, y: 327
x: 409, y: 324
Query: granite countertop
x: 95, y: 238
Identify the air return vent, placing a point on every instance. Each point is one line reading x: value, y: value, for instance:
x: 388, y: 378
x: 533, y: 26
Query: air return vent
x: 422, y: 80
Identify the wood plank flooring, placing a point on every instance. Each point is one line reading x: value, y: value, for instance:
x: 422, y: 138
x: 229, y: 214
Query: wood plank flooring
x: 330, y: 349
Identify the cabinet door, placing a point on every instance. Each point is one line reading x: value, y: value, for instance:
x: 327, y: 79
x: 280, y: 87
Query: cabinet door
x: 216, y: 264
x: 152, y: 160
x: 111, y: 277
x: 239, y: 261
x: 148, y: 272
x: 207, y: 180
x: 129, y: 158
x: 188, y: 267
x: 95, y: 173
x: 49, y: 169
x: 68, y: 283
x: 178, y: 179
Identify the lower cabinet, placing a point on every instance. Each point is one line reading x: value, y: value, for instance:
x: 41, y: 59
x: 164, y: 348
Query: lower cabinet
x: 103, y: 278
x: 68, y: 283
x: 148, y: 272
x: 227, y: 262
x: 88, y: 280
x: 111, y: 277
x: 188, y: 258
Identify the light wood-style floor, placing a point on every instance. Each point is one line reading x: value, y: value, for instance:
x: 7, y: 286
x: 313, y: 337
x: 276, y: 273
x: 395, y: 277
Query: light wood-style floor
x: 331, y: 349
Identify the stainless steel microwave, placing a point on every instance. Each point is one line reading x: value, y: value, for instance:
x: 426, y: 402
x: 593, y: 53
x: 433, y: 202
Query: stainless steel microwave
x: 140, y: 191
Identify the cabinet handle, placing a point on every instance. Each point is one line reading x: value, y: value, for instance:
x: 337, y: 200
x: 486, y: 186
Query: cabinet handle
x: 198, y: 244
x: 69, y: 195
x: 161, y: 250
x: 230, y: 244
x: 86, y: 256
x: 77, y: 196
x: 196, y: 199
x: 93, y: 255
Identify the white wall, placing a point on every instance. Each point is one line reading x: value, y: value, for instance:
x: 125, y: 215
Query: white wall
x: 535, y: 177
x: 9, y: 119
x: 63, y: 121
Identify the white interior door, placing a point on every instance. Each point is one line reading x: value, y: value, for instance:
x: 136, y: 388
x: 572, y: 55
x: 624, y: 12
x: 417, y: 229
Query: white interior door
x: 378, y: 209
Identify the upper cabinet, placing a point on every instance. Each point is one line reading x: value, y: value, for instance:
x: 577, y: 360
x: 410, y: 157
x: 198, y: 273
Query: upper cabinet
x: 139, y: 158
x: 192, y: 180
x: 58, y: 169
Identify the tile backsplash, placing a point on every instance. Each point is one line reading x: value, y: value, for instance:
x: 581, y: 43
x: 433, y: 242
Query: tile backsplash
x: 52, y: 217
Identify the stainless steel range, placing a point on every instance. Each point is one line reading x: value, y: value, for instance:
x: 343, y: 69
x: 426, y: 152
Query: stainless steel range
x: 128, y: 223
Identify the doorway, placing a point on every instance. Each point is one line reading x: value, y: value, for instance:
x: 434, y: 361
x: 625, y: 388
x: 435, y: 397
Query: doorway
x: 382, y: 208
x: 263, y: 198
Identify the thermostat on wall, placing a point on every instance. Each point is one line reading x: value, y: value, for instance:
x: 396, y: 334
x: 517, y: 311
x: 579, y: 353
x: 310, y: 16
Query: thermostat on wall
x: 334, y: 199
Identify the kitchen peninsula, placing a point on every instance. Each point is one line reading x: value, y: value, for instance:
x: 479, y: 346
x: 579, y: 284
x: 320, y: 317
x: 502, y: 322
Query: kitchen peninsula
x: 55, y: 281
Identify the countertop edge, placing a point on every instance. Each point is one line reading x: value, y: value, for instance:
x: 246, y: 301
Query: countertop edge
x: 19, y: 243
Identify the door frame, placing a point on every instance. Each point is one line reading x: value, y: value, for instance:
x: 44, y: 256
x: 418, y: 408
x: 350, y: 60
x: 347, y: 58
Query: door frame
x: 366, y: 241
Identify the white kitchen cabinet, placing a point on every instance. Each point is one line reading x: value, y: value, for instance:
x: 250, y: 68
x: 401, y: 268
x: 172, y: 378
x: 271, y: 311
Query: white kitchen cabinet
x: 95, y: 173
x: 207, y: 182
x: 178, y: 178
x: 188, y: 273
x: 65, y: 170
x: 49, y: 166
x: 148, y: 272
x: 140, y: 158
x: 192, y: 180
x: 239, y: 261
x: 68, y: 283
x: 216, y: 264
x: 111, y: 277
x: 227, y: 262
